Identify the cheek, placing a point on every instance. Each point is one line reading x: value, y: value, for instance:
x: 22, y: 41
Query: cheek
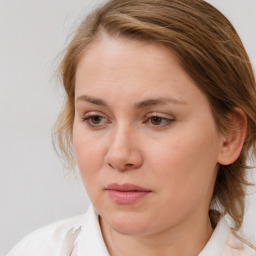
x: 185, y: 168
x: 180, y: 156
x: 89, y: 153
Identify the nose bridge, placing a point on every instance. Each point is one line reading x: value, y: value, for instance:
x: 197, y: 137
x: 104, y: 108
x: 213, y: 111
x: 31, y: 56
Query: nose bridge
x: 123, y: 149
x: 122, y: 136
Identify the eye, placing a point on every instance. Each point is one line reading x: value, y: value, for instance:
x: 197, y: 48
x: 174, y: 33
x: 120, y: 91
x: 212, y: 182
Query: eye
x: 94, y: 120
x: 158, y: 121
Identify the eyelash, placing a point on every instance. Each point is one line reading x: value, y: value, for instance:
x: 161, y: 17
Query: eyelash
x: 89, y: 117
x: 167, y: 121
x: 88, y: 120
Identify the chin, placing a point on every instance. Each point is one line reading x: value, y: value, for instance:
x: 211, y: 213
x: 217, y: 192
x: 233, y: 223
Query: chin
x: 130, y: 229
x: 129, y: 224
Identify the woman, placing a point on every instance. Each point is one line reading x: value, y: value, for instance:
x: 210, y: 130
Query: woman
x: 161, y: 114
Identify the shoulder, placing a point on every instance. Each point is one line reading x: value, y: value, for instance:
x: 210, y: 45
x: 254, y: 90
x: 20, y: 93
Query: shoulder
x: 235, y: 247
x: 49, y: 240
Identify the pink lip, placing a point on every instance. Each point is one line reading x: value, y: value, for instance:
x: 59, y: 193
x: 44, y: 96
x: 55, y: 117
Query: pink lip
x: 126, y: 193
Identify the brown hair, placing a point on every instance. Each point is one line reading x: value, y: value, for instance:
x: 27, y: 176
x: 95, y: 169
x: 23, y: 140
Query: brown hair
x: 210, y: 51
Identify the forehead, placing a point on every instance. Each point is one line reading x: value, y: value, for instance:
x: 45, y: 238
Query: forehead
x: 109, y: 52
x: 134, y: 68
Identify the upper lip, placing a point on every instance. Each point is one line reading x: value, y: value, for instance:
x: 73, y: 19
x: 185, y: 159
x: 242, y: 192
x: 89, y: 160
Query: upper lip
x: 126, y: 187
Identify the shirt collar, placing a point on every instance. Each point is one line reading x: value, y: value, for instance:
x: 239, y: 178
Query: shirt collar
x: 90, y: 240
x: 216, y: 244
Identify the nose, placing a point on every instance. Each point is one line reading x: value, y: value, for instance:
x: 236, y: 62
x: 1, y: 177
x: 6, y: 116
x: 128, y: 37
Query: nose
x: 123, y: 150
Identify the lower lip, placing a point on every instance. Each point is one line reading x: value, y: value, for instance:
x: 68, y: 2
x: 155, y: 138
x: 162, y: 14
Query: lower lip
x: 127, y: 197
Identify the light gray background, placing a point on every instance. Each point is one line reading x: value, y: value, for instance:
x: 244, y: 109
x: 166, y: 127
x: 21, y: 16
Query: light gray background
x: 34, y: 191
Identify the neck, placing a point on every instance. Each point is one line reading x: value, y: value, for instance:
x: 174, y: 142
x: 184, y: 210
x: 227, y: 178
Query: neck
x: 185, y: 239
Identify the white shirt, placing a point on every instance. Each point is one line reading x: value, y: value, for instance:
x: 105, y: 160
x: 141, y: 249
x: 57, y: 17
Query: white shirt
x: 81, y: 236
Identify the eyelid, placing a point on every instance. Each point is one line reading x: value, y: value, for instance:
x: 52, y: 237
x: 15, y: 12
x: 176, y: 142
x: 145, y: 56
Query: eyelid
x: 86, y: 118
x: 168, y: 120
x: 161, y: 115
x: 93, y: 113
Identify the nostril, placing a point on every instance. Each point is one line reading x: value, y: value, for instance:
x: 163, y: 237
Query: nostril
x: 124, y: 167
x: 123, y: 160
x: 111, y: 165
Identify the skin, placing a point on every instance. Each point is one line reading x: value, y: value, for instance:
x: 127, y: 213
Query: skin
x: 175, y: 155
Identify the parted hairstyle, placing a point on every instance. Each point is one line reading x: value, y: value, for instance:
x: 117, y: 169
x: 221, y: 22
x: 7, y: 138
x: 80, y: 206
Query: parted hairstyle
x: 210, y: 51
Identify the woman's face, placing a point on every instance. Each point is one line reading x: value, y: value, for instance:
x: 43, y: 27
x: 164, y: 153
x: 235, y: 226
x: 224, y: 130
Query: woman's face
x: 144, y: 137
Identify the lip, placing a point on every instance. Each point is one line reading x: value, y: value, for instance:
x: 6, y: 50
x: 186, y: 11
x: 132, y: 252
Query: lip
x: 125, y: 194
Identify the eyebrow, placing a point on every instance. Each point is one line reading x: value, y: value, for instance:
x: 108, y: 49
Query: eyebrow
x: 158, y: 101
x: 91, y: 100
x: 139, y: 105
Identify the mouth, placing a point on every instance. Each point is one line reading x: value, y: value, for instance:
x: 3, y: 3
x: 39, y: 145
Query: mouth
x: 125, y: 194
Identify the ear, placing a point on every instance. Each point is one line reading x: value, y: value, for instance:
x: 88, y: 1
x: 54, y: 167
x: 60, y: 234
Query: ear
x: 233, y: 139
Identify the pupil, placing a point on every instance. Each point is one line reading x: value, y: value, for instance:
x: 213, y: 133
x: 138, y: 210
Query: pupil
x: 156, y: 120
x: 96, y: 119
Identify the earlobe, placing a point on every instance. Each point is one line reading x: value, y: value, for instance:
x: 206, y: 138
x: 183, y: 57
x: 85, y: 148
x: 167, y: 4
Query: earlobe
x: 234, y: 137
